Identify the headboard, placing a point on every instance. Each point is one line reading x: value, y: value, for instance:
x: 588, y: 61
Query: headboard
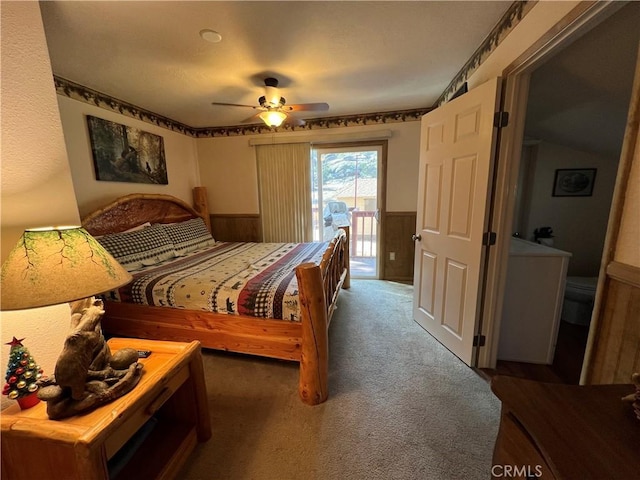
x: 135, y: 209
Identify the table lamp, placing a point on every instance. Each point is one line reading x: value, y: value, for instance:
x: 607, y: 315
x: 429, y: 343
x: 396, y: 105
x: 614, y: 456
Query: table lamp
x: 55, y: 265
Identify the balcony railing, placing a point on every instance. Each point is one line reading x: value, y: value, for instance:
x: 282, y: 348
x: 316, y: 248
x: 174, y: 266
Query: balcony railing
x: 363, y: 233
x: 363, y: 248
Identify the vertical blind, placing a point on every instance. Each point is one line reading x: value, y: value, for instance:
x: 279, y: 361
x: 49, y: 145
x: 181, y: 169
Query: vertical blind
x: 284, y: 180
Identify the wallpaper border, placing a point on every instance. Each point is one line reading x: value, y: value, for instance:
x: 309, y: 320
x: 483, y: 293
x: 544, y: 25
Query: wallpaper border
x: 512, y: 17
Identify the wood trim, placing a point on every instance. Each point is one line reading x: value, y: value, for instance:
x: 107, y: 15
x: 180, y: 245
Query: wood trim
x: 624, y: 273
x: 629, y: 146
x: 382, y: 207
x: 401, y: 214
x: 236, y: 227
x: 616, y: 354
x: 235, y: 215
x: 601, y: 319
x: 398, y: 228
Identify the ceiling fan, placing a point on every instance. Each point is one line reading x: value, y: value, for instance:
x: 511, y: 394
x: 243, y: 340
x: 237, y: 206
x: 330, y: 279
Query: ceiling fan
x: 273, y: 108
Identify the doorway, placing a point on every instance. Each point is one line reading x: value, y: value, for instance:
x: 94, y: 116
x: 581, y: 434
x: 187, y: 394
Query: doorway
x: 346, y: 191
x: 590, y: 79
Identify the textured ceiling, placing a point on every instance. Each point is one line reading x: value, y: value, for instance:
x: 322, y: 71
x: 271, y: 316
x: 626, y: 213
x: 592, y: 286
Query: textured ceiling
x: 580, y: 97
x: 359, y: 57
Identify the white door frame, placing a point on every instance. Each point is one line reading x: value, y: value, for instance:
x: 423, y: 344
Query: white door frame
x: 515, y: 95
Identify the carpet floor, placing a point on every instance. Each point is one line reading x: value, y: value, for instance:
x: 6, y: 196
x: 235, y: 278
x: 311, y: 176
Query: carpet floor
x: 400, y: 406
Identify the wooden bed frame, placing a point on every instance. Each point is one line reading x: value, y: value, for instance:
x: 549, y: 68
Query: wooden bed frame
x: 305, y: 341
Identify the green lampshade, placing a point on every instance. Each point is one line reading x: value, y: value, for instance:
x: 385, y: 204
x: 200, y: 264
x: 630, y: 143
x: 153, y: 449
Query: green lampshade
x: 56, y: 265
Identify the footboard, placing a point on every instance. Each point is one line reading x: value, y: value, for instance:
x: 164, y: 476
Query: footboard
x: 318, y: 288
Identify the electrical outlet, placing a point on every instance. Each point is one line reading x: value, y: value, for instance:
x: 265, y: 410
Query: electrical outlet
x: 392, y: 256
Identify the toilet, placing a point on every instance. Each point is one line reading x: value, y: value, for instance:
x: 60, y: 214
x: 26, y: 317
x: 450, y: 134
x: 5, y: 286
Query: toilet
x: 579, y: 293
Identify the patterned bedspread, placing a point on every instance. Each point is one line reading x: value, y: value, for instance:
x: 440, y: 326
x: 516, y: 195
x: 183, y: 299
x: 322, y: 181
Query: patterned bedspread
x: 254, y: 279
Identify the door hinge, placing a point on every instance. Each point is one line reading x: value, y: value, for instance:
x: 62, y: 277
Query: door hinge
x: 489, y: 238
x: 501, y: 119
x: 479, y: 340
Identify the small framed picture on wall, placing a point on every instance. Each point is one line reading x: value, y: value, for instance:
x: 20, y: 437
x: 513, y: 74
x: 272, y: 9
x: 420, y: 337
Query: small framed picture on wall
x: 574, y: 182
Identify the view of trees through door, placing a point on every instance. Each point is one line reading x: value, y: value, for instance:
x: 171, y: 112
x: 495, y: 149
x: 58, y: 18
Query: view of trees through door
x: 345, y: 191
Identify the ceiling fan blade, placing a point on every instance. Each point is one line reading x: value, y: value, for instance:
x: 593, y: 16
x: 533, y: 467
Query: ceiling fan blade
x: 295, y: 122
x: 252, y: 119
x: 233, y: 105
x: 308, y: 107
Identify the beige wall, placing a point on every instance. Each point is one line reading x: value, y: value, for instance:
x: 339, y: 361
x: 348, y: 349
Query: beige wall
x: 180, y: 154
x: 228, y: 166
x: 228, y: 170
x: 579, y: 223
x: 541, y: 19
x: 36, y: 181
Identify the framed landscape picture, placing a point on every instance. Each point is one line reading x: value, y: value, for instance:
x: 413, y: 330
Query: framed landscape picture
x: 126, y: 154
x: 574, y: 182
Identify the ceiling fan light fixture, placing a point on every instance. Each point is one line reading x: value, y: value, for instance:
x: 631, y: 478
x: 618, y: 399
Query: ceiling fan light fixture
x: 273, y: 118
x: 272, y: 96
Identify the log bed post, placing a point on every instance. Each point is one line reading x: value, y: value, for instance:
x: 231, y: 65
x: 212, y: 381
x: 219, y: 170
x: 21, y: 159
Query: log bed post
x: 201, y: 205
x: 314, y: 357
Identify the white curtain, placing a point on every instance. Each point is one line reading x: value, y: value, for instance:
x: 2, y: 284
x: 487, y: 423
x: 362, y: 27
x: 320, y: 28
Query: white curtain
x: 284, y: 181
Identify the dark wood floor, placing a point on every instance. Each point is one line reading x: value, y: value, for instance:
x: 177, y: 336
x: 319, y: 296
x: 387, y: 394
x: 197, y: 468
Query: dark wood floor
x: 567, y: 362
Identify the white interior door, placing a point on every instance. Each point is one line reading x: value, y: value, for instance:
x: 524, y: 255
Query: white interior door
x: 456, y: 151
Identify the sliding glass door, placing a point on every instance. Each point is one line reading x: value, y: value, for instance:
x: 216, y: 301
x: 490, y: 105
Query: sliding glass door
x: 346, y: 191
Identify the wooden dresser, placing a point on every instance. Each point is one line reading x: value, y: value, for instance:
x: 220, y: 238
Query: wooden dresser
x: 169, y: 405
x: 554, y: 431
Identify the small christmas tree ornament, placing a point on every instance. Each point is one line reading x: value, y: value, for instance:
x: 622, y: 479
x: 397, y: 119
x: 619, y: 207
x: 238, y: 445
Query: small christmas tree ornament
x: 22, y: 374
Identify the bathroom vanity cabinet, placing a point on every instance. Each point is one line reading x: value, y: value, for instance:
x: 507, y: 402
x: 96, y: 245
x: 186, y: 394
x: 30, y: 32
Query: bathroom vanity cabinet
x: 534, y: 292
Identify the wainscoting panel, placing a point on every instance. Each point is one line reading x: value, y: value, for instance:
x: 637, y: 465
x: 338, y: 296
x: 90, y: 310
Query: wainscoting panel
x: 617, y: 350
x: 236, y: 228
x: 398, y: 228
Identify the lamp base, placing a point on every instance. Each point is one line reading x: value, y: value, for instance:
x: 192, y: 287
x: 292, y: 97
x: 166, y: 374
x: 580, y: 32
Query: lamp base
x: 87, y: 374
x: 29, y: 401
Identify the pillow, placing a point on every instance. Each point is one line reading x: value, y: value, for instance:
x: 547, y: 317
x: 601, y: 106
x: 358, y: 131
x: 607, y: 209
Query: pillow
x: 189, y: 235
x: 140, y: 248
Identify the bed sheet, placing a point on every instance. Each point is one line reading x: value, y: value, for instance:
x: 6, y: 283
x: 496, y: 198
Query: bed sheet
x: 253, y: 279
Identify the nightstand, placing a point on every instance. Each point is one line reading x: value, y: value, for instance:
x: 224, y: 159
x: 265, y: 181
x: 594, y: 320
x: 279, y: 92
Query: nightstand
x: 158, y: 423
